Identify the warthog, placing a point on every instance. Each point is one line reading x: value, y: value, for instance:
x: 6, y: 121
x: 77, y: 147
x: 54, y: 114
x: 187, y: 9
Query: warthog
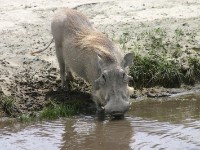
x: 81, y: 49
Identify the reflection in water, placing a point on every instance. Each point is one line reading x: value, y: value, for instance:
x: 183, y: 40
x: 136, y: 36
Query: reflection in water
x: 98, y: 135
x: 150, y: 124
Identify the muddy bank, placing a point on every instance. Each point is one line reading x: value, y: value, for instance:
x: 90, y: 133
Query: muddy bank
x: 25, y: 27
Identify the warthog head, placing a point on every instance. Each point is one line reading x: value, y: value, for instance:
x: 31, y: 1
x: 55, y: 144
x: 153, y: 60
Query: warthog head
x: 112, y: 86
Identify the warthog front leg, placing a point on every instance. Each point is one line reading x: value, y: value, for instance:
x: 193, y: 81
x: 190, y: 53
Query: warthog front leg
x: 65, y: 73
x: 69, y: 78
x: 61, y: 63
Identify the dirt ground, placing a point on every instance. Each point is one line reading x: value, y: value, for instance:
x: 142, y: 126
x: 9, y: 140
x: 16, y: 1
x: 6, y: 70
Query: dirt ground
x: 25, y: 27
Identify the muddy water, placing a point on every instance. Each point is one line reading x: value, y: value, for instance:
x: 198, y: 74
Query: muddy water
x: 151, y: 124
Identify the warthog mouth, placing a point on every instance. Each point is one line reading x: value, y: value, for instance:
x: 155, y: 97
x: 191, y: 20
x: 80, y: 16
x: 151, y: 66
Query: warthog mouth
x: 117, y: 115
x: 113, y: 114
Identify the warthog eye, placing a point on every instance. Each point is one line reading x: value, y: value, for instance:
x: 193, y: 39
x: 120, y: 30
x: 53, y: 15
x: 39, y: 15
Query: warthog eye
x: 104, y: 77
x: 100, y: 81
x: 123, y: 75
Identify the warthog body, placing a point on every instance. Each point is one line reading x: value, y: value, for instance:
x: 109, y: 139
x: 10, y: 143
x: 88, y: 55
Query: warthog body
x: 81, y: 49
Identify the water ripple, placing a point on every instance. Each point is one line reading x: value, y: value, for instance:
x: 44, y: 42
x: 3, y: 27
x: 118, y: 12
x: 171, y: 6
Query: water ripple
x: 154, y: 134
x: 45, y: 135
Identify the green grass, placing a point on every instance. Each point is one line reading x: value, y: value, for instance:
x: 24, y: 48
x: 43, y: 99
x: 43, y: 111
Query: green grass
x: 153, y: 70
x: 162, y: 57
x: 192, y: 73
x: 7, y: 104
x: 26, y: 118
x: 53, y: 110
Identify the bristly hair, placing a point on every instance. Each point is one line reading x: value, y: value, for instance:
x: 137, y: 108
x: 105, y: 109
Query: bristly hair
x: 88, y: 38
x: 93, y: 40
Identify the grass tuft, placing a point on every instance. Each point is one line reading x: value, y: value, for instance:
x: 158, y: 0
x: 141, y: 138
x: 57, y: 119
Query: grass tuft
x: 7, y: 104
x: 155, y: 70
x: 26, y: 118
x: 53, y: 110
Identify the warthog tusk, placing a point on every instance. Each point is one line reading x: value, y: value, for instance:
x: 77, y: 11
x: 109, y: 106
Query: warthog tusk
x: 102, y: 107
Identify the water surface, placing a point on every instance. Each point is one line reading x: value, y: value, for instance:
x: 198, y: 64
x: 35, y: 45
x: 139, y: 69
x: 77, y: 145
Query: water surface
x: 172, y: 123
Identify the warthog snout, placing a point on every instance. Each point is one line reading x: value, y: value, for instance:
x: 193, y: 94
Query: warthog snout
x: 117, y: 108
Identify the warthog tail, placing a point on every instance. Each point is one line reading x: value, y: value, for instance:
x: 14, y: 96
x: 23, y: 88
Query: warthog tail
x: 35, y: 52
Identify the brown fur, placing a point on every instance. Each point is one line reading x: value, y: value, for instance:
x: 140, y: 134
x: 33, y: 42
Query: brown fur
x: 87, y: 36
x: 76, y: 20
x: 95, y: 41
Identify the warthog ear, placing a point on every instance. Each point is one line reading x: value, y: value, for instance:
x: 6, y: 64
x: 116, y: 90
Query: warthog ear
x: 128, y: 60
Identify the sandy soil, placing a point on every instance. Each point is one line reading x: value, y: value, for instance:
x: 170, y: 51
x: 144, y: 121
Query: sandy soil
x: 25, y: 27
